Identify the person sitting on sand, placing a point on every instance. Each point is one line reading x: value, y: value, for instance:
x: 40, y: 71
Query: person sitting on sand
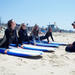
x: 35, y: 33
x: 23, y: 36
x: 71, y: 47
x: 47, y: 35
x: 10, y: 36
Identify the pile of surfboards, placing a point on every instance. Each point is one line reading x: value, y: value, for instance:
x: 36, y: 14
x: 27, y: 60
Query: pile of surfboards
x: 30, y: 49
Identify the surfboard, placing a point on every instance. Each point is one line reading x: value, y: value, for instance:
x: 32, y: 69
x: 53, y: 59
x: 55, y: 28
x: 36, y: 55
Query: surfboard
x: 45, y: 44
x: 54, y: 43
x: 21, y: 52
x: 36, y: 48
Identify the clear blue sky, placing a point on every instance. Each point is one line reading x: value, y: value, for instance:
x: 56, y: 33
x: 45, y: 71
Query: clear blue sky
x: 39, y: 11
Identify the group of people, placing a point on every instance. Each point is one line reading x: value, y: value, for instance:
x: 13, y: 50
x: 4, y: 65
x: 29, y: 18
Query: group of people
x: 11, y: 36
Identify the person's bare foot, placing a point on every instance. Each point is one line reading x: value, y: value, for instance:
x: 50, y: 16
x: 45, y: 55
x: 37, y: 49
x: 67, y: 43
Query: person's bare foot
x: 6, y: 51
x: 21, y: 46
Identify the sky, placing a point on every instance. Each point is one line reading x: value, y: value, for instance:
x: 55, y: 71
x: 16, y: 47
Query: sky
x: 39, y: 12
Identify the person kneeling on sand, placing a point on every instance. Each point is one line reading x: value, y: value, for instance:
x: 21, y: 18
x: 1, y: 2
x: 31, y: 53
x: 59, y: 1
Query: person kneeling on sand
x: 47, y: 35
x: 71, y: 47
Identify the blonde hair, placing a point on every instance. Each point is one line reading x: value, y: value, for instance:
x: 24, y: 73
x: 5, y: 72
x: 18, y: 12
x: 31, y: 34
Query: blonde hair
x: 21, y: 26
x: 34, y: 27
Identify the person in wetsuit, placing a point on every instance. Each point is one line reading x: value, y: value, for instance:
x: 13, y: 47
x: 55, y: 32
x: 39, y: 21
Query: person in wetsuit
x: 35, y: 33
x: 10, y: 36
x: 47, y: 35
x: 23, y: 35
x: 71, y: 47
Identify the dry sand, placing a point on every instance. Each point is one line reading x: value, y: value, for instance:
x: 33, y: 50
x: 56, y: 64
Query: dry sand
x: 58, y: 63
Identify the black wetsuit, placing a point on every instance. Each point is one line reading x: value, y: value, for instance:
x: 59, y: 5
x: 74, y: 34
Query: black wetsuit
x: 71, y: 48
x: 47, y: 35
x: 10, y: 37
x: 23, y: 36
x: 35, y: 32
x: 35, y: 35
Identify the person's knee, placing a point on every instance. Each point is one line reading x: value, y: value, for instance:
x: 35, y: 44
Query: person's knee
x: 68, y: 49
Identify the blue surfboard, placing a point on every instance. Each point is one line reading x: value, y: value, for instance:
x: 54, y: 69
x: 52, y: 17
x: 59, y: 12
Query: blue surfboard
x: 45, y: 44
x: 20, y: 52
x: 37, y: 48
x: 54, y: 43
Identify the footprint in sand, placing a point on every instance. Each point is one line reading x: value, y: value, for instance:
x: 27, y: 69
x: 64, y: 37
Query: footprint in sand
x: 7, y: 73
x: 19, y: 64
x: 72, y: 73
x: 2, y: 69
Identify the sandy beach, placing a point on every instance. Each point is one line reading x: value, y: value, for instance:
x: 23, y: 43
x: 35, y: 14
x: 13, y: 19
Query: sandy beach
x: 56, y: 63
